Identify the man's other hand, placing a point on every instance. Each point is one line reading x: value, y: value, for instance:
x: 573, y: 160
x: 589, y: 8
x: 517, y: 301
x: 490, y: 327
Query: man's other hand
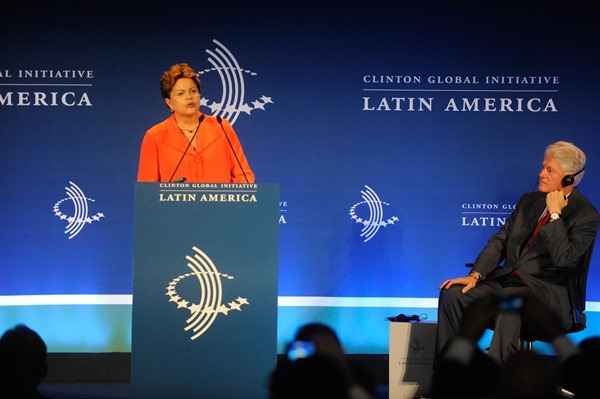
x: 468, y: 282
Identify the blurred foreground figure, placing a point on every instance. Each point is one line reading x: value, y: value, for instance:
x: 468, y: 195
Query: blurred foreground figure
x: 23, y: 363
x: 315, y: 367
x: 464, y: 371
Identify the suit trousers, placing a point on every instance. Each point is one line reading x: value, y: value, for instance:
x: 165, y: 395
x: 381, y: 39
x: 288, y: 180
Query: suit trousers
x: 507, y: 327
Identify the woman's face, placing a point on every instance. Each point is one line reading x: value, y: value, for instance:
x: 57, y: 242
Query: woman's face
x: 185, y: 97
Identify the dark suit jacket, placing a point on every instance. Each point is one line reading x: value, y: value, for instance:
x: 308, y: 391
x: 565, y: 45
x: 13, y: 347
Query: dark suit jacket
x: 554, y: 261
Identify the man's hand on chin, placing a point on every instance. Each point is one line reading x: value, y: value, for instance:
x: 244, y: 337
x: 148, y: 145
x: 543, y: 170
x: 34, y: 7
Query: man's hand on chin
x: 556, y: 201
x: 469, y: 282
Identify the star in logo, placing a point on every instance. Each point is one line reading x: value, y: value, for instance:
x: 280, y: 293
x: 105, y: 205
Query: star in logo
x: 245, y: 108
x: 182, y: 304
x: 223, y: 309
x: 258, y: 105
x: 214, y: 107
x: 242, y: 301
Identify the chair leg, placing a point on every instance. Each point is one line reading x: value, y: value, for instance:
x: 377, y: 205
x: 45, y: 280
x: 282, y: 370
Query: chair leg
x: 526, y: 345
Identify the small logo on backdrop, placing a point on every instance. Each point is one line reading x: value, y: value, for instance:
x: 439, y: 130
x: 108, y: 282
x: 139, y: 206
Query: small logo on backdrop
x: 233, y: 83
x: 49, y: 86
x: 80, y: 213
x: 283, y: 208
x: 374, y: 220
x: 210, y: 304
x: 485, y: 214
x: 417, y: 92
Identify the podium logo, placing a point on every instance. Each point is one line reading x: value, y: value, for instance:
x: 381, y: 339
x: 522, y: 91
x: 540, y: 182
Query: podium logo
x: 372, y: 221
x: 210, y: 304
x: 233, y: 83
x: 80, y: 216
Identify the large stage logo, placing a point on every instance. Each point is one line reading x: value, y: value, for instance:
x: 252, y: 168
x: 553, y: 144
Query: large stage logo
x: 210, y: 304
x: 233, y: 83
x: 80, y: 216
x: 374, y: 220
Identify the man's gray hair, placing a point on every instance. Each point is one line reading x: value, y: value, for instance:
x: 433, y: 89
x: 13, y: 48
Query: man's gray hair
x: 570, y: 157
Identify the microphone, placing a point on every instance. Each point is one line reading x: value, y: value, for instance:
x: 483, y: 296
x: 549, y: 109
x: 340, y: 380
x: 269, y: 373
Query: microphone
x: 220, y: 120
x: 183, y: 179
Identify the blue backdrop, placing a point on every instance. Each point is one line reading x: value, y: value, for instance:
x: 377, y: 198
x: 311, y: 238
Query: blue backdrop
x: 418, y: 127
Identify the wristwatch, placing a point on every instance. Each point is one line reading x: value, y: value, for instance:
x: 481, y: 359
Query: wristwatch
x: 554, y: 216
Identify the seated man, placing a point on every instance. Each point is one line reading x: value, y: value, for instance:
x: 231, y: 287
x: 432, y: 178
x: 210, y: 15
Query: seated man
x: 542, y: 244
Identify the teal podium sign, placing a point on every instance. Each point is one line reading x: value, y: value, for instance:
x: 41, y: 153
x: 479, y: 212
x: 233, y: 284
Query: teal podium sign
x: 205, y: 290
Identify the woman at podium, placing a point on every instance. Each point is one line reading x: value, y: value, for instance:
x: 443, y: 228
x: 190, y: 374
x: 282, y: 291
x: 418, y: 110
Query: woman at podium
x: 189, y: 146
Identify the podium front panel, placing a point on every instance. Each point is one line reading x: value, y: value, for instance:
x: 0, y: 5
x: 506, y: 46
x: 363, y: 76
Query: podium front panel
x: 205, y: 290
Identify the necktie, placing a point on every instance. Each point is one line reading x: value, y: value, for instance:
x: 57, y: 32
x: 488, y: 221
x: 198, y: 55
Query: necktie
x: 543, y: 221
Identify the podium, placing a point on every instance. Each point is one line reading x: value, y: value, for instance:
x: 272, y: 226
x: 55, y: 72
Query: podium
x: 205, y: 290
x: 412, y: 349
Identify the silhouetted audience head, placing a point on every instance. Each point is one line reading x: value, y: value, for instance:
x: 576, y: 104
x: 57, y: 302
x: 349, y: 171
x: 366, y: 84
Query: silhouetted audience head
x: 317, y: 376
x: 528, y: 375
x: 325, y: 355
x: 324, y: 338
x: 474, y: 376
x: 23, y: 363
x: 581, y: 371
x: 590, y: 346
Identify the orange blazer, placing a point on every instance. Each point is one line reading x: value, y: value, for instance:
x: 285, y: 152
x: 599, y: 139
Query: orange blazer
x: 211, y: 162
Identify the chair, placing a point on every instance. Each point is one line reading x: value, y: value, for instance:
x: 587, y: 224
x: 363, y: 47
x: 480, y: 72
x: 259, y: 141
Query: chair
x: 577, y: 285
